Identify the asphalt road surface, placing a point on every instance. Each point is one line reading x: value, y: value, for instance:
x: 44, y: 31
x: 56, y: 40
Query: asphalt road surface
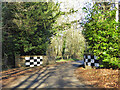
x: 59, y: 76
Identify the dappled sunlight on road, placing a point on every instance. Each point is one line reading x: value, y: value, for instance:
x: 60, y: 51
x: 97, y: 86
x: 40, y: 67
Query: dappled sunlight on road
x: 59, y: 76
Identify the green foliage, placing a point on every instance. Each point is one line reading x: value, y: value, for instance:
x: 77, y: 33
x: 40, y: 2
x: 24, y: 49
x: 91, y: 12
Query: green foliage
x: 28, y: 26
x: 64, y: 60
x: 102, y: 36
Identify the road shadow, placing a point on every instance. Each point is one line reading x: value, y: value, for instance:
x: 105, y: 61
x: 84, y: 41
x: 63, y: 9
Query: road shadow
x: 78, y: 63
x: 41, y: 76
x: 14, y: 75
x: 6, y: 74
x: 37, y: 79
x: 23, y: 82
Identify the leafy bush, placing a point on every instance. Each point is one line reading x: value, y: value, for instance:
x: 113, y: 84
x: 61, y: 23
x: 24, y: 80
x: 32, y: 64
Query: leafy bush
x: 102, y: 35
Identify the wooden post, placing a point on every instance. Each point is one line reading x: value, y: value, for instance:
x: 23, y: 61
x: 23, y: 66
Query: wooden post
x: 22, y: 61
x: 17, y: 61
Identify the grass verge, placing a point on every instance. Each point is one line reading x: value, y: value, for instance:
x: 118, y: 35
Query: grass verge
x: 65, y: 60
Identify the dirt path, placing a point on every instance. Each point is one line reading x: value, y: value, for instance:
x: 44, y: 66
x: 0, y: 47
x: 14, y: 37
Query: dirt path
x: 59, y: 76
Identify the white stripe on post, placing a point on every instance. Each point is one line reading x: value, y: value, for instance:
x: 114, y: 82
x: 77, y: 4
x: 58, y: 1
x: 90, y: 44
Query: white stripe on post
x: 117, y: 12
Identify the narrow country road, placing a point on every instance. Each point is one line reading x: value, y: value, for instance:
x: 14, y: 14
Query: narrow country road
x: 59, y: 76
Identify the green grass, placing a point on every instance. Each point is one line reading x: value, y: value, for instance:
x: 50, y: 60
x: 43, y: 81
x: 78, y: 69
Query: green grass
x: 63, y: 60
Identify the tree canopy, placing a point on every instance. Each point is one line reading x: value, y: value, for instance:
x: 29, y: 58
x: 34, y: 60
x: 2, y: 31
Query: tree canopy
x: 27, y: 26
